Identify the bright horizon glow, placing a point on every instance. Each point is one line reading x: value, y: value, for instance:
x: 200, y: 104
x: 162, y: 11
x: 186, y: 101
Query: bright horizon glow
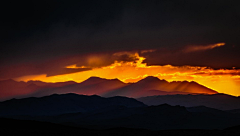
x: 222, y: 80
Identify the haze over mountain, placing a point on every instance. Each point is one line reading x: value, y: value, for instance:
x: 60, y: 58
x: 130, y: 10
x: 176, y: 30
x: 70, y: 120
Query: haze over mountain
x: 13, y: 89
x: 91, y: 86
x: 99, y: 86
x: 150, y: 86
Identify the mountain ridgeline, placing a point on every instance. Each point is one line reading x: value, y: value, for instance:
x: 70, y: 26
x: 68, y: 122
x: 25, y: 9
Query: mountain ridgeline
x: 95, y: 112
x: 98, y: 103
x: 148, y: 86
x: 217, y: 101
x: 62, y: 104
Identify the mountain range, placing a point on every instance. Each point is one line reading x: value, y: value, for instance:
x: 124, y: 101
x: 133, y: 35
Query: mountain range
x: 217, y: 101
x: 62, y: 104
x: 148, y: 86
x: 99, y: 103
x: 95, y: 112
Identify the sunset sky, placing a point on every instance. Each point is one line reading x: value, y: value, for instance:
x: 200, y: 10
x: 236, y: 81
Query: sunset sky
x: 57, y: 41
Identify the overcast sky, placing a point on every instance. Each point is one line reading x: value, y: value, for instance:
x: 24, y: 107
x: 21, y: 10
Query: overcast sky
x: 44, y: 36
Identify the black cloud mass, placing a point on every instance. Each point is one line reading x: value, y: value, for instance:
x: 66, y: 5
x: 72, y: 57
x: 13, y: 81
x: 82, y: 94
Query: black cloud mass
x: 36, y: 31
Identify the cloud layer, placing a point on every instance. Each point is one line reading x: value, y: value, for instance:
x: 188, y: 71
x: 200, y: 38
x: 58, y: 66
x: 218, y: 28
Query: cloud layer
x: 44, y: 38
x: 202, y: 47
x: 41, y: 30
x: 135, y: 70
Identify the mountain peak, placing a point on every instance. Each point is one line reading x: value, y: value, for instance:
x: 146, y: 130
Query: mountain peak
x: 151, y: 79
x: 93, y: 80
x: 116, y: 79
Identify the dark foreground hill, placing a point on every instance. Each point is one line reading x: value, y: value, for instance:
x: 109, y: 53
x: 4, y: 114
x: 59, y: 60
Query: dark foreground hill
x: 29, y: 128
x: 95, y: 112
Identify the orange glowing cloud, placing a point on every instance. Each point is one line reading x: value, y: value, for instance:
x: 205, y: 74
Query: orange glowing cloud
x: 222, y: 80
x: 74, y: 66
x: 202, y: 47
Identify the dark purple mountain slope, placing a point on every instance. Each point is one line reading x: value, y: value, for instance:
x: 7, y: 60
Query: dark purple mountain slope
x: 91, y: 86
x: 102, y: 113
x: 13, y: 89
x: 217, y: 101
x: 62, y: 104
x: 150, y: 86
x: 153, y: 117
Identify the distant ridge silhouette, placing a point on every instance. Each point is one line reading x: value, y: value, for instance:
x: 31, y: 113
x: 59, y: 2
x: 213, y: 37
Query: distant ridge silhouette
x: 217, y: 101
x: 61, y: 104
x: 148, y: 86
x: 13, y: 89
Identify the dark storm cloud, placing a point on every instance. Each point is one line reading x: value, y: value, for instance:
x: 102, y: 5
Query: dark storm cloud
x: 64, y: 65
x: 48, y: 68
x: 34, y: 32
x: 226, y: 56
x: 48, y: 28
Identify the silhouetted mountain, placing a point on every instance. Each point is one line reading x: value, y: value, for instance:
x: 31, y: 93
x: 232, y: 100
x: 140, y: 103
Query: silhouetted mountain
x: 57, y: 84
x: 234, y: 111
x: 62, y: 104
x: 189, y: 87
x: 217, y: 101
x: 204, y: 109
x: 10, y: 88
x: 13, y: 89
x: 94, y: 80
x: 91, y: 86
x: 150, y: 86
x: 153, y: 117
x: 96, y: 112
